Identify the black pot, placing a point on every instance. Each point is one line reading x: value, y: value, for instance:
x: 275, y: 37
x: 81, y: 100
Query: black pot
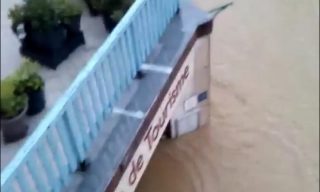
x: 74, y: 40
x: 53, y: 58
x: 93, y: 11
x: 14, y: 129
x: 37, y: 102
x: 108, y: 22
x: 73, y: 25
x: 49, y: 58
x: 47, y: 40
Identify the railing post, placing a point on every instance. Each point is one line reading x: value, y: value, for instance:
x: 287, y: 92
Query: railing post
x: 84, y: 165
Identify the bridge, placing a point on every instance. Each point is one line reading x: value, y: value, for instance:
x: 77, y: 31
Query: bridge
x: 102, y: 132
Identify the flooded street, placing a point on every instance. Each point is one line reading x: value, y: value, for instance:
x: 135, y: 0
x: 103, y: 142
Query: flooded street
x: 264, y: 130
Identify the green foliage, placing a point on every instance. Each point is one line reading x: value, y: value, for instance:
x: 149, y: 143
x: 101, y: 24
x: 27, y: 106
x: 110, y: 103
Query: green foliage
x: 66, y: 9
x: 43, y: 15
x: 118, y: 14
x: 28, y: 67
x: 16, y: 15
x: 11, y: 103
x: 27, y: 77
x: 111, y: 5
x: 96, y: 4
x: 14, y: 88
x: 30, y: 83
x: 40, y: 14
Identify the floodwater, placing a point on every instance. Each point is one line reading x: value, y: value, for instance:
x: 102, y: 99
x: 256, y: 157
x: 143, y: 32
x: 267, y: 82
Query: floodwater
x: 264, y: 129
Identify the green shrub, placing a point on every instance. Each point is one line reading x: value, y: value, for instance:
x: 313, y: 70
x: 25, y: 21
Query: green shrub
x: 43, y: 15
x: 96, y: 4
x: 40, y: 14
x: 11, y: 103
x: 110, y: 6
x: 117, y: 15
x: 66, y: 9
x: 31, y: 83
x: 28, y: 67
x: 17, y: 15
x: 27, y: 77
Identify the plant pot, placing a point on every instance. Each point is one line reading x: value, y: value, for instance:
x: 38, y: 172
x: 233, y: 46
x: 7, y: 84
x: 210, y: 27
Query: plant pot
x: 93, y: 11
x: 108, y: 22
x: 49, y: 58
x: 15, y: 128
x: 53, y: 57
x: 73, y: 26
x: 74, y: 40
x: 47, y: 40
x: 36, y: 102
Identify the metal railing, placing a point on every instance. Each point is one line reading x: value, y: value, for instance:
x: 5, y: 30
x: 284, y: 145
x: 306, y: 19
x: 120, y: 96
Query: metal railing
x: 51, y: 155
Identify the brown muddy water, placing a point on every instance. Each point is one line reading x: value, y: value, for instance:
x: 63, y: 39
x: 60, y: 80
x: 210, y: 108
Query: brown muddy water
x: 264, y: 130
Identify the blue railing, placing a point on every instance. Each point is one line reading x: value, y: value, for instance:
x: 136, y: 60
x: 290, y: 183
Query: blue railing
x: 51, y: 155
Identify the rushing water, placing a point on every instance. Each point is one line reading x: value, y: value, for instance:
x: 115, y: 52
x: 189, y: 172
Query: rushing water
x: 264, y: 130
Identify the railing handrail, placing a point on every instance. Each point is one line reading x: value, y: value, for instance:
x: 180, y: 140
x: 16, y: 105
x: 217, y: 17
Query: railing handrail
x: 60, y: 106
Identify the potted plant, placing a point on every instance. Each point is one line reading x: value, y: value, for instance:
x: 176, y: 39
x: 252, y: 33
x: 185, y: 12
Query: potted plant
x: 42, y: 25
x: 31, y: 83
x: 113, y: 11
x: 111, y: 21
x: 13, y: 110
x: 70, y: 15
x: 93, y: 6
x: 49, y: 28
x: 17, y: 17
